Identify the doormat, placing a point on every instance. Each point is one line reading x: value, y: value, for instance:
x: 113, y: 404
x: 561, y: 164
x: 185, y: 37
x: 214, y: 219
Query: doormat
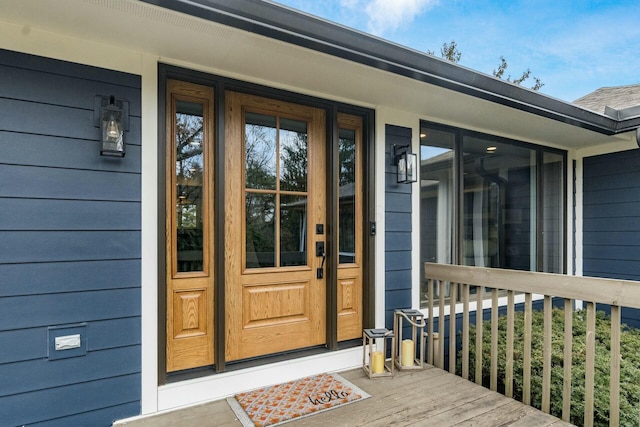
x: 278, y: 404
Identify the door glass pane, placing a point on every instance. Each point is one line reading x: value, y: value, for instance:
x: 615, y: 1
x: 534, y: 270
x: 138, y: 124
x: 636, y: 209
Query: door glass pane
x: 293, y: 230
x: 499, y: 205
x: 293, y: 155
x: 260, y: 230
x: 260, y: 151
x: 346, y: 204
x: 189, y: 170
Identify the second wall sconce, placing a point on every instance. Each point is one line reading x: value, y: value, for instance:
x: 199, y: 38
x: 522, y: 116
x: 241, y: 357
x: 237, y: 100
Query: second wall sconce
x: 407, y: 164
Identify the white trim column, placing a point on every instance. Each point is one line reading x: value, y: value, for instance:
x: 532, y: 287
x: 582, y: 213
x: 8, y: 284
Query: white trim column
x: 149, y: 249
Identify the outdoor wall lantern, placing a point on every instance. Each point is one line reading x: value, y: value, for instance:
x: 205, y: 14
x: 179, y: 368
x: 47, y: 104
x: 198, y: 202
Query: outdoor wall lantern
x: 111, y: 115
x: 407, y: 164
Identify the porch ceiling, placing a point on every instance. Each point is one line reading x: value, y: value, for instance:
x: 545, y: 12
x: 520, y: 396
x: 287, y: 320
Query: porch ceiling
x: 183, y: 39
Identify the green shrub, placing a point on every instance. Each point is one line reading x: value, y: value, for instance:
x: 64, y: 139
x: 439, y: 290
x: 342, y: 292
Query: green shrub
x: 629, y: 369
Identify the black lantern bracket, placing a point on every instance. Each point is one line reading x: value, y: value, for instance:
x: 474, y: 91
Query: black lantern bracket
x: 398, y: 151
x: 111, y: 115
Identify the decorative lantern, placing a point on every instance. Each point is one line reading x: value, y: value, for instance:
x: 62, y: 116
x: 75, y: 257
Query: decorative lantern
x: 406, y: 163
x: 374, y: 352
x: 112, y: 117
x: 406, y: 350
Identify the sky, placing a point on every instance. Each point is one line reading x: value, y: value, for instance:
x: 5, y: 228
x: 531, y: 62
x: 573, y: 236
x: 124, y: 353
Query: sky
x: 573, y: 46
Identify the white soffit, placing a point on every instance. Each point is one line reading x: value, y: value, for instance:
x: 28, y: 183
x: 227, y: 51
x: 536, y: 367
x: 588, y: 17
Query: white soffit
x: 179, y: 38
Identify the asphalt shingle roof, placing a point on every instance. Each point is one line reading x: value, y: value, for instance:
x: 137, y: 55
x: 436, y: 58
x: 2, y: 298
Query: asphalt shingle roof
x: 616, y: 97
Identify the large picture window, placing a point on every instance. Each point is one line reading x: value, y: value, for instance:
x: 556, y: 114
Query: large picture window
x: 488, y: 201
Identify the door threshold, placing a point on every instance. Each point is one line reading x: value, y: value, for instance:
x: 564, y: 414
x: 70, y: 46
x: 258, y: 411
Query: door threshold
x: 225, y: 384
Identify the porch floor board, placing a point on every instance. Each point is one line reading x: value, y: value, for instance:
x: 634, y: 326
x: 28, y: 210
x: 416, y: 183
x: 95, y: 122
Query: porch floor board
x: 431, y: 397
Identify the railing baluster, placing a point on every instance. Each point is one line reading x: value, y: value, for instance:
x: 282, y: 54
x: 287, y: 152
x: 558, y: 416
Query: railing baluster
x: 465, y: 331
x: 546, y: 356
x: 479, y: 319
x: 526, y: 359
x: 589, y: 365
x: 493, y: 384
x: 452, y: 327
x: 614, y: 382
x: 430, y: 325
x: 568, y: 359
x: 508, y: 387
x: 441, y: 329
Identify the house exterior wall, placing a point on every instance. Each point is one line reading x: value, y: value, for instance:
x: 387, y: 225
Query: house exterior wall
x: 131, y: 232
x: 70, y: 227
x: 611, y: 220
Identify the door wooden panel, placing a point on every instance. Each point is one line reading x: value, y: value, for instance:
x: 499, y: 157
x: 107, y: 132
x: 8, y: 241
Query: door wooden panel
x: 350, y: 228
x: 273, y: 300
x: 276, y: 303
x: 189, y: 232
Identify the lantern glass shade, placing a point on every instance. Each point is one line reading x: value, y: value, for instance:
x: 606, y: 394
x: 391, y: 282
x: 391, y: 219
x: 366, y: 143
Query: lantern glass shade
x: 112, y: 126
x: 407, y: 168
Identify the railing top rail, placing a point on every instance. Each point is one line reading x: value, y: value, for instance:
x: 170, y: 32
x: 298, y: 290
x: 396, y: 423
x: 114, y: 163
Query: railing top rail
x: 599, y: 290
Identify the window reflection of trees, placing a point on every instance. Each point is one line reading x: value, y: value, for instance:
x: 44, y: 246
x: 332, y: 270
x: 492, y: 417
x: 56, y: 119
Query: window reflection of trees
x: 346, y: 233
x: 276, y: 195
x: 189, y: 171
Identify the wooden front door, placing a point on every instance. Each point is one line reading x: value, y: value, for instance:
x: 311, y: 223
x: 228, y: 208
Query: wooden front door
x: 275, y: 212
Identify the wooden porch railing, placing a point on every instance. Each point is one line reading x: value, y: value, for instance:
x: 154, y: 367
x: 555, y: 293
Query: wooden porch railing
x: 489, y: 285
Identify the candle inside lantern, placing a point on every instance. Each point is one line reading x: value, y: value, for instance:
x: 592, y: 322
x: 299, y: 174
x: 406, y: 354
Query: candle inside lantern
x: 408, y: 353
x: 377, y: 362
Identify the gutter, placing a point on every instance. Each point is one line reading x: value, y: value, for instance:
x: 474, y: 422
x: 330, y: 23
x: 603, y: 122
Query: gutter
x: 288, y: 25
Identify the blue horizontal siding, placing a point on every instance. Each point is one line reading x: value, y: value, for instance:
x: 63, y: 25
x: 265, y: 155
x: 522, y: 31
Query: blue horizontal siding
x: 612, y: 252
x: 18, y: 84
x: 599, y: 166
x: 613, y: 238
x: 68, y: 215
x: 95, y: 417
x: 58, y: 152
x: 74, y: 276
x: 72, y: 184
x: 398, y: 241
x: 70, y: 226
x: 30, y: 344
x: 397, y: 221
x: 604, y: 210
x: 609, y: 197
x: 611, y: 230
x: 56, y: 120
x: 613, y: 181
x: 612, y: 268
x: 52, y: 374
x: 50, y: 246
x: 398, y: 246
x: 397, y: 279
x: 398, y: 202
x: 397, y: 260
x: 70, y: 400
x: 59, y: 309
x: 623, y: 223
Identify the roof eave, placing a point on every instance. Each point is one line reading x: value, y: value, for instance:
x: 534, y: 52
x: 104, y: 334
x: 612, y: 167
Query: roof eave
x: 290, y: 26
